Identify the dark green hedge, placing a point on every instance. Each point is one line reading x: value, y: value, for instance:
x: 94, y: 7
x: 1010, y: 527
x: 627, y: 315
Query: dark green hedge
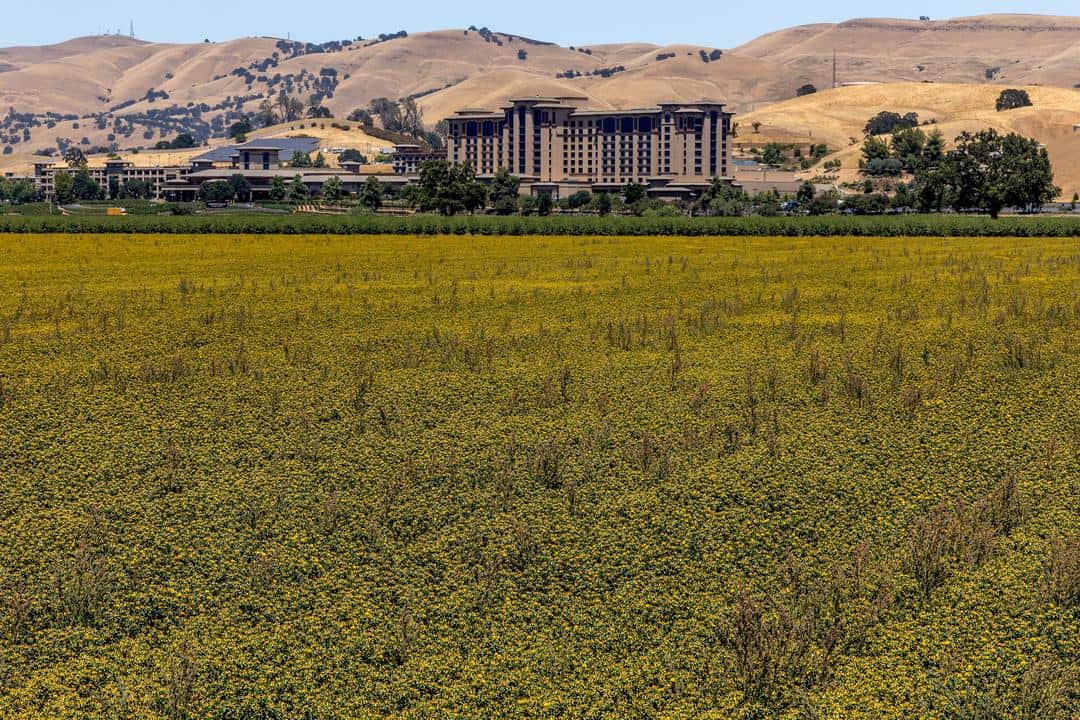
x: 906, y: 225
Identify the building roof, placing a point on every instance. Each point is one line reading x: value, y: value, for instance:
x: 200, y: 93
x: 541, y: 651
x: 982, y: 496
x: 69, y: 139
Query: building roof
x: 284, y: 146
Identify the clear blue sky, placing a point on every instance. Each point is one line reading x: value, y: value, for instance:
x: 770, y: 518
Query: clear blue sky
x: 568, y: 22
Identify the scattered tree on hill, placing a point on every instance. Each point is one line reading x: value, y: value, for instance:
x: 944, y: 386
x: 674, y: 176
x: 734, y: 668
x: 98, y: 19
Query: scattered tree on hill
x: 371, y: 195
x: 266, y: 115
x: 240, y: 128
x: 886, y: 122
x: 773, y: 154
x: 289, y: 109
x: 505, y: 189
x: 74, y: 157
x: 874, y: 148
x: 352, y: 155
x: 183, y: 141
x: 806, y: 89
x: 388, y: 112
x: 522, y: 55
x: 1011, y: 99
x: 316, y: 109
x: 361, y: 116
x: 756, y: 125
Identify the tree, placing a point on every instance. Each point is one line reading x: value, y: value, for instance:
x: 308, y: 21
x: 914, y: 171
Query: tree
x: 21, y: 191
x: 316, y: 109
x: 137, y: 190
x: 300, y: 160
x: 1011, y: 99
x: 907, y: 147
x: 388, y: 112
x: 216, y: 191
x: 990, y: 171
x: 449, y: 189
x: 298, y: 191
x: 266, y: 115
x: 773, y: 154
x: 522, y: 55
x: 412, y: 118
x: 63, y: 190
x: 352, y: 155
x: 886, y: 122
x: 240, y: 128
x: 544, y: 204
x: 277, y: 189
x: 240, y: 186
x: 806, y: 89
x: 319, y: 161
x: 723, y: 199
x: 371, y: 195
x: 361, y: 116
x: 505, y: 189
x: 289, y: 108
x: 74, y: 157
x: 603, y: 203
x: 84, y: 187
x: 874, y: 148
x: 331, y: 189
x: 756, y: 125
x: 183, y: 141
x: 1076, y: 199
x: 805, y: 193
x: 579, y: 199
x: 633, y: 192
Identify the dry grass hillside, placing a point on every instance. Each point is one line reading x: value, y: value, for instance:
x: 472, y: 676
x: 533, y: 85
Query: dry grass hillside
x: 97, y: 87
x: 837, y: 117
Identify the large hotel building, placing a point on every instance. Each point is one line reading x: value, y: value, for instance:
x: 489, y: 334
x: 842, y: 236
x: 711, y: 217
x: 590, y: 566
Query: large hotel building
x: 556, y: 143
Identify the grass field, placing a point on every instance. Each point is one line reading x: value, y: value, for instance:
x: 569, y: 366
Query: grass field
x: 538, y: 477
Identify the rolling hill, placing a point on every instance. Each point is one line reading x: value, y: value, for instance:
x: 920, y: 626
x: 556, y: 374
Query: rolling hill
x: 123, y: 92
x: 836, y: 117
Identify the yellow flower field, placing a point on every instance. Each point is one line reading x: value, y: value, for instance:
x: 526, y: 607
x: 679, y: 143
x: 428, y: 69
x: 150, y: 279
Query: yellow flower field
x: 328, y: 477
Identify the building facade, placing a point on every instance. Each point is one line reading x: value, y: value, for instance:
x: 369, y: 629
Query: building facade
x: 112, y: 177
x: 559, y: 142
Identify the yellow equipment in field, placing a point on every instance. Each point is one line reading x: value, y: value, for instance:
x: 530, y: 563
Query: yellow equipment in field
x: 115, y: 211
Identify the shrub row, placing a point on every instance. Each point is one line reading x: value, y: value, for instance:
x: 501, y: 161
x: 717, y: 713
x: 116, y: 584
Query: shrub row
x: 889, y: 226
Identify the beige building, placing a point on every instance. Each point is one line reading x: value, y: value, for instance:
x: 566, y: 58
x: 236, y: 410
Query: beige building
x: 558, y: 143
x: 115, y: 174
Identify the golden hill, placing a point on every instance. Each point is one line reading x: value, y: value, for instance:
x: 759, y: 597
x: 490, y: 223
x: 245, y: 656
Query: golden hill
x: 104, y: 81
x: 837, y: 117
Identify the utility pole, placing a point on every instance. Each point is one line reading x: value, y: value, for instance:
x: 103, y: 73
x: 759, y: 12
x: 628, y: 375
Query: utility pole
x: 834, y: 68
x: 132, y: 29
